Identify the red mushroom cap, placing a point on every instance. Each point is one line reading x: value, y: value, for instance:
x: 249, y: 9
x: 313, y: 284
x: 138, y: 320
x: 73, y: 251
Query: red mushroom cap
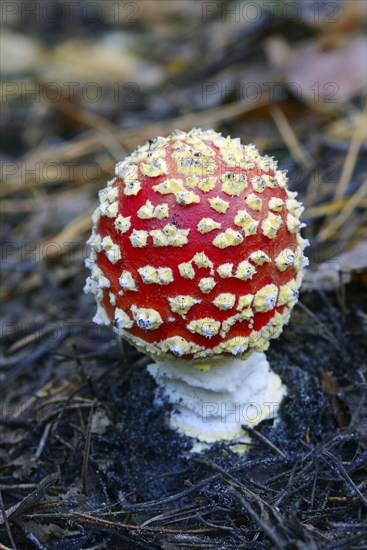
x: 196, y: 249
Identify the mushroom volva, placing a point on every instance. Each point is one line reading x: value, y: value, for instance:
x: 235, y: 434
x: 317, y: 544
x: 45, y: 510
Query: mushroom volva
x: 196, y: 259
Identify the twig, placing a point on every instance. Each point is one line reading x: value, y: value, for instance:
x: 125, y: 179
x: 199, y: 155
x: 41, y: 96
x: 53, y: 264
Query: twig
x: 337, y: 222
x: 32, y: 538
x: 158, y: 505
x: 344, y: 474
x: 351, y: 158
x: 329, y: 208
x: 87, y: 448
x: 43, y: 440
x: 327, y: 334
x: 290, y: 138
x: 33, y: 498
x: 241, y: 486
x: 178, y: 514
x: 268, y: 529
x: 263, y: 439
x: 6, y: 522
x: 24, y: 364
x: 49, y: 329
x: 75, y: 228
x: 347, y: 543
x: 87, y: 519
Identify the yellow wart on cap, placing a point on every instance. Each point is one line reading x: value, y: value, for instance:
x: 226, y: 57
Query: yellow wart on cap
x: 202, y: 260
x: 265, y: 299
x: 259, y: 257
x: 271, y: 225
x: 146, y: 318
x: 156, y: 167
x: 206, y: 225
x: 181, y: 304
x: 285, y: 258
x: 225, y: 270
x: 228, y: 238
x: 245, y: 270
x: 258, y: 184
x: 159, y: 276
x: 186, y: 270
x: 206, y: 327
x: 148, y: 211
x: 126, y: 281
x: 233, y: 183
x: 207, y: 184
x: 139, y: 238
x: 171, y: 185
x: 219, y: 205
x: 122, y: 224
x: 225, y: 301
x: 111, y: 249
x: 122, y: 320
x: 276, y: 204
x: 206, y: 284
x: 170, y: 236
x: 253, y: 201
x: 246, y: 222
x: 288, y: 293
x: 244, y: 301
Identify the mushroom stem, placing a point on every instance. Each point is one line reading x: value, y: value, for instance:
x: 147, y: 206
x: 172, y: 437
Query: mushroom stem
x: 212, y: 401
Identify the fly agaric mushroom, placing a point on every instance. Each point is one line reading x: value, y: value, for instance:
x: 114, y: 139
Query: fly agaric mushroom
x: 196, y: 259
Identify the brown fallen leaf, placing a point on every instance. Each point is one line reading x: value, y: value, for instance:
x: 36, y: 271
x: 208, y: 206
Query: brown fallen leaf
x: 337, y: 270
x: 19, y: 54
x: 330, y: 385
x: 324, y: 78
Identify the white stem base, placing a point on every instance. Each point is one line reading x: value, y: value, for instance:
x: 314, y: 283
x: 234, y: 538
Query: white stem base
x: 212, y: 401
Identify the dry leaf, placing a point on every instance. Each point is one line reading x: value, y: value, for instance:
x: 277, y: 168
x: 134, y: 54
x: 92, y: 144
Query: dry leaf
x: 341, y: 131
x: 326, y: 77
x: 338, y: 270
x: 19, y: 53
